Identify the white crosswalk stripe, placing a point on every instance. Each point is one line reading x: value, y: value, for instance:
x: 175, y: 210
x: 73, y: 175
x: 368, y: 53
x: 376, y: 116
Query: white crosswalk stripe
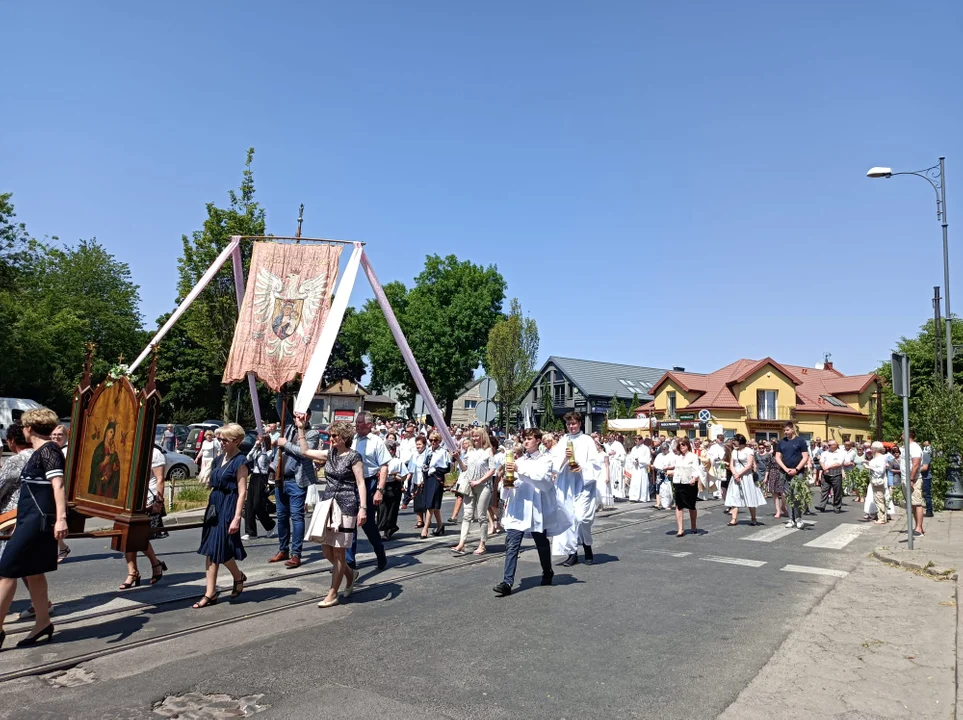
x: 837, y: 538
x: 815, y: 571
x: 735, y: 561
x: 771, y: 534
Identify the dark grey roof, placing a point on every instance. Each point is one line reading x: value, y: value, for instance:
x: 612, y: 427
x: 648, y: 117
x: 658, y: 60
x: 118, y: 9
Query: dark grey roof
x: 605, y: 379
x: 383, y: 399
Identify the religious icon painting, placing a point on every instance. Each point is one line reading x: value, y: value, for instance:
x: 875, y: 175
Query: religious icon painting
x: 106, y: 450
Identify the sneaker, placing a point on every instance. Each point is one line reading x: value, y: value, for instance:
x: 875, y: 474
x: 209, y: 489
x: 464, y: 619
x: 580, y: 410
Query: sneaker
x: 30, y: 612
x: 800, y: 524
x: 503, y: 589
x: 246, y: 537
x: 790, y: 524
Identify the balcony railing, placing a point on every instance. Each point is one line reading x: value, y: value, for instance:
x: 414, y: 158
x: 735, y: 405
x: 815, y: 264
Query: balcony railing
x: 768, y: 412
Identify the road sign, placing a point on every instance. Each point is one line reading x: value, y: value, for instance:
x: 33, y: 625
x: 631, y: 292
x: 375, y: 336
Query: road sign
x: 901, y: 375
x: 487, y: 388
x: 704, y: 416
x: 485, y: 411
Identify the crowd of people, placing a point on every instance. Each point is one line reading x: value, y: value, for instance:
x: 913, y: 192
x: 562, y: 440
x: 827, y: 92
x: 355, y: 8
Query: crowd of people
x: 549, y: 485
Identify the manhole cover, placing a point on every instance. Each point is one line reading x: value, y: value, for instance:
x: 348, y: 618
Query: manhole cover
x: 196, y: 706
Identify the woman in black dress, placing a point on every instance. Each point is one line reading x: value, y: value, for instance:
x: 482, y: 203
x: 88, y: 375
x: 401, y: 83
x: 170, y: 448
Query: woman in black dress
x: 221, y: 536
x: 41, y: 521
x: 343, y: 505
x: 437, y: 464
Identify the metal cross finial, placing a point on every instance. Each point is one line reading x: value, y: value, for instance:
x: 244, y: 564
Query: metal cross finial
x: 300, y: 219
x: 120, y: 359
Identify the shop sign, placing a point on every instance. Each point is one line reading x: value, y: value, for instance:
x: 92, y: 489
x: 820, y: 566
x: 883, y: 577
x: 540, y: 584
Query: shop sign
x: 689, y: 424
x: 669, y: 425
x: 687, y: 416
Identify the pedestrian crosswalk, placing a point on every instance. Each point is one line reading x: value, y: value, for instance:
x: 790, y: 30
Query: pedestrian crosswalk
x: 835, y: 539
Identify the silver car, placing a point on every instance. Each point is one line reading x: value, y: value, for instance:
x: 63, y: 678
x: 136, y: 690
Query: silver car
x: 178, y: 466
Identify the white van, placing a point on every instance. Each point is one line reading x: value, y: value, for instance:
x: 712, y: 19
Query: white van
x: 11, y: 409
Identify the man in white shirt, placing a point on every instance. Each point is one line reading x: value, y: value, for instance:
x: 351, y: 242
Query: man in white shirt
x: 831, y: 461
x: 640, y: 459
x: 579, y: 465
x: 916, y: 484
x: 375, y: 457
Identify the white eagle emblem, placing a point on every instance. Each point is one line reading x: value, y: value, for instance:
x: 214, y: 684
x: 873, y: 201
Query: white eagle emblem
x: 288, y: 313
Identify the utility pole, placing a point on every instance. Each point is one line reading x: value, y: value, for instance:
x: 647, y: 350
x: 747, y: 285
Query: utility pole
x: 937, y: 336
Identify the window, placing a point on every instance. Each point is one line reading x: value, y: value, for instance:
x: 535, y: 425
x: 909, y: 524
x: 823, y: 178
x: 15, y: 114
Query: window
x: 766, y: 405
x: 559, y: 392
x: 471, y: 404
x: 728, y: 434
x: 636, y: 386
x: 859, y: 438
x: 692, y: 433
x: 845, y: 437
x: 767, y: 436
x: 670, y: 403
x: 833, y: 400
x: 570, y: 387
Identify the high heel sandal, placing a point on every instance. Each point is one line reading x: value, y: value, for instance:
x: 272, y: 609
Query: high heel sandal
x: 30, y: 641
x: 440, y: 530
x: 155, y: 577
x: 134, y: 578
x: 237, y: 591
x: 3, y: 636
x: 207, y: 600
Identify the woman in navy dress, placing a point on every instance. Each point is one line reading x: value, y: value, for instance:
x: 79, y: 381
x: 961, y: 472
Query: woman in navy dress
x: 41, y: 521
x: 221, y: 536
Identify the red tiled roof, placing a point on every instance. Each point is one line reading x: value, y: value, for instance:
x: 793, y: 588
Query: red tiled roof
x: 715, y: 388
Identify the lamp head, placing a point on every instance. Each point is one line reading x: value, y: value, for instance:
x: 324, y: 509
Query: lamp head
x: 880, y: 172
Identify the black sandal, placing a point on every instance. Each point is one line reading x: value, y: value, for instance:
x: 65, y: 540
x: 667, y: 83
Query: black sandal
x: 731, y: 524
x: 207, y: 601
x: 134, y: 578
x: 681, y: 534
x: 155, y: 578
x: 236, y: 592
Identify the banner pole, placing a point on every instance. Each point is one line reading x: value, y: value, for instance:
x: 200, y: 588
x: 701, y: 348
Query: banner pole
x: 406, y: 353
x: 238, y: 263
x: 186, y: 302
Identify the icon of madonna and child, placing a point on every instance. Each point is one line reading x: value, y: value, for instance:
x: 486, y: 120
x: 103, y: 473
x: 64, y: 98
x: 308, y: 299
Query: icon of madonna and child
x: 105, y: 466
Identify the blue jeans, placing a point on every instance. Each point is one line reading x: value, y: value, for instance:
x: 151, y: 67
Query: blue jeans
x: 928, y: 491
x: 289, y: 499
x: 513, y: 544
x: 370, y: 528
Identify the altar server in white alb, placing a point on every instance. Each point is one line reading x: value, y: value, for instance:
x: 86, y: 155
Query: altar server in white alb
x: 616, y: 452
x: 579, y: 467
x: 531, y: 506
x: 640, y: 458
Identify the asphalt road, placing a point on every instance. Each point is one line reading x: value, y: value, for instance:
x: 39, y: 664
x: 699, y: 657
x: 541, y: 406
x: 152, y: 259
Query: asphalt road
x: 659, y: 627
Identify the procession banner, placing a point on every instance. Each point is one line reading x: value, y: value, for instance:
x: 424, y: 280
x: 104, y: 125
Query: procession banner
x: 407, y: 354
x: 329, y: 333
x: 283, y: 311
x: 238, y: 263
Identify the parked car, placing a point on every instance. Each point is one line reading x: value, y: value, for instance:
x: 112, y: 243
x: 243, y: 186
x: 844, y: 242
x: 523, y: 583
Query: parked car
x: 250, y: 437
x: 11, y: 409
x: 216, y: 423
x: 195, y: 437
x: 180, y: 435
x: 178, y: 466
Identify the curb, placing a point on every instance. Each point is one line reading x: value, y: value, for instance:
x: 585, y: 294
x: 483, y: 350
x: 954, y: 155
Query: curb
x: 884, y: 555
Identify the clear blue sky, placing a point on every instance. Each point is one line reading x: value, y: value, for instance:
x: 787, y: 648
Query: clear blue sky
x: 702, y: 163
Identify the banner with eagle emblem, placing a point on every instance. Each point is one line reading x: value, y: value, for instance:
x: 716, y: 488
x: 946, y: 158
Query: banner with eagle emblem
x: 285, y: 306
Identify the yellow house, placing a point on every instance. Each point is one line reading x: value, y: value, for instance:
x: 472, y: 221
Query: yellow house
x: 756, y: 397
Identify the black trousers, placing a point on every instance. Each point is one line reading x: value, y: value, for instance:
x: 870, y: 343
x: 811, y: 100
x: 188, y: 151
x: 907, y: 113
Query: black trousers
x: 388, y: 510
x: 834, y: 484
x: 255, y: 508
x: 513, y: 544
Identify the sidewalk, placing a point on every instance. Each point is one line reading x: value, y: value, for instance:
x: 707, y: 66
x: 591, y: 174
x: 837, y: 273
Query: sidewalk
x: 884, y: 642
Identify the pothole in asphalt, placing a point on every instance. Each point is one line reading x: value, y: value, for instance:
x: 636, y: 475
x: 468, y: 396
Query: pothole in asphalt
x: 74, y: 677
x: 196, y: 706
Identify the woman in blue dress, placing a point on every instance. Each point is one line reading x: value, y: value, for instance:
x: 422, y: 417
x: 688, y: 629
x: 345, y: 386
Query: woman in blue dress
x: 221, y: 536
x: 41, y: 521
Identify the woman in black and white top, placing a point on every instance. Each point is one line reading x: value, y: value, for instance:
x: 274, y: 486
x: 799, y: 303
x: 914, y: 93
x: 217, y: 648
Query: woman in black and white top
x: 684, y: 469
x: 742, y: 488
x: 477, y: 466
x: 41, y: 521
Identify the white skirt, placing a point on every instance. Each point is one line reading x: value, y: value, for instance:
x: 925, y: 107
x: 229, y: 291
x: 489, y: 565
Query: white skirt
x: 743, y: 493
x: 603, y: 492
x: 639, y: 488
x: 617, y: 475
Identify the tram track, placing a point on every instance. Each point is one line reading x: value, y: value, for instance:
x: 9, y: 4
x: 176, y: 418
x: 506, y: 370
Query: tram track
x: 67, y: 663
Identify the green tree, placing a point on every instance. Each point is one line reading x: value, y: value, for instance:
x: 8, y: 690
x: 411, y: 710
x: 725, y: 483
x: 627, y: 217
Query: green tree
x: 920, y: 350
x: 510, y: 358
x: 616, y: 408
x: 346, y: 361
x: 446, y: 318
x: 939, y: 418
x: 633, y: 406
x: 211, y: 319
x: 547, y: 421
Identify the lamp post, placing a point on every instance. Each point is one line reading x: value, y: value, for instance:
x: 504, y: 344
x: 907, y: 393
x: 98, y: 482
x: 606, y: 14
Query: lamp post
x: 936, y: 177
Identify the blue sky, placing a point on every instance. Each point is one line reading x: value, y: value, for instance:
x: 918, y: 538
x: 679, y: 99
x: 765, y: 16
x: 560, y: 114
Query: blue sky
x: 660, y: 183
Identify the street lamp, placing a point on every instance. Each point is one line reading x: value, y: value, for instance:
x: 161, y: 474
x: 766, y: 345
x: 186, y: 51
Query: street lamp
x: 936, y: 177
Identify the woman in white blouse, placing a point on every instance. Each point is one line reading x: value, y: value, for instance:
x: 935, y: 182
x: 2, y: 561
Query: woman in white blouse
x: 209, y: 449
x: 478, y: 466
x: 742, y: 488
x: 685, y: 475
